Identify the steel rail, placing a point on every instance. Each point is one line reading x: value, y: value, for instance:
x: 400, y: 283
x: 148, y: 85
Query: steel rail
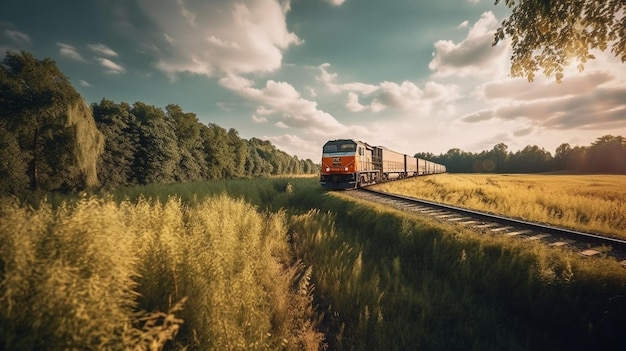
x: 590, y: 238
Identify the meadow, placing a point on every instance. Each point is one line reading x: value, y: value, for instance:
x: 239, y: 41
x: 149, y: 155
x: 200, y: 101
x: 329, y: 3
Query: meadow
x: 203, y: 273
x: 386, y: 280
x: 281, y: 264
x: 590, y: 203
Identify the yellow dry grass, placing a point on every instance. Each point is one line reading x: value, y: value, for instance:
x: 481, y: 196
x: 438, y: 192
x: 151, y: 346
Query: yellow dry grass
x: 590, y: 203
x: 81, y: 277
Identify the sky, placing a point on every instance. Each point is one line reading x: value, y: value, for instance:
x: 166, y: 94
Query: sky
x: 410, y: 75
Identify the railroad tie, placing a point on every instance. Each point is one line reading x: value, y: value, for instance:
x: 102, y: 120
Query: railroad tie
x: 519, y: 232
x: 539, y: 237
x: 486, y: 225
x: 561, y: 243
x: 499, y: 229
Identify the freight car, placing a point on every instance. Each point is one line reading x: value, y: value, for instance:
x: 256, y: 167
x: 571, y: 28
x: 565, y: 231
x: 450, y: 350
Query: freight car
x: 348, y: 164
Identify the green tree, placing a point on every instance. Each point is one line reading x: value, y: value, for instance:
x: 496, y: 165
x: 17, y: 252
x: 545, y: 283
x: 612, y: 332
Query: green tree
x: 13, y: 164
x: 192, y: 165
x: 531, y: 159
x: 256, y: 165
x: 607, y: 155
x: 239, y: 149
x: 425, y: 155
x: 577, y: 159
x: 121, y: 130
x: 562, y: 156
x: 219, y: 156
x: 457, y: 161
x: 549, y: 34
x: 157, y: 155
x: 500, y: 155
x: 52, y: 124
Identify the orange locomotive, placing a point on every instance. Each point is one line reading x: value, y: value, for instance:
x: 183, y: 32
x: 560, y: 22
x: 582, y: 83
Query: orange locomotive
x: 348, y: 164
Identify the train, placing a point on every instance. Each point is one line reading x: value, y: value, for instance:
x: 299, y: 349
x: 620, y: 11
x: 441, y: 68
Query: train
x: 350, y: 164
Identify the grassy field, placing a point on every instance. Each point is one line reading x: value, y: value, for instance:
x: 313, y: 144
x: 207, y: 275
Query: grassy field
x: 142, y: 272
x: 385, y: 280
x: 281, y: 264
x: 591, y: 203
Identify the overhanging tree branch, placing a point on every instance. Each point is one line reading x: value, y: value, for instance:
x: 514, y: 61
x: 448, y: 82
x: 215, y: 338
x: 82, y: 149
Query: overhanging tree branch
x: 548, y: 35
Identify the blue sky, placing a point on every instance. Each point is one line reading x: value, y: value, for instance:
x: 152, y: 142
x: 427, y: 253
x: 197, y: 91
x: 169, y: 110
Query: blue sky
x: 411, y: 75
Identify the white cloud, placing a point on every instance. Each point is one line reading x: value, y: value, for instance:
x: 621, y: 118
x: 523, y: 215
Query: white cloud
x: 297, y: 114
x: 584, y: 106
x: 205, y: 38
x: 282, y: 97
x: 264, y: 111
x: 17, y: 36
x: 336, y: 2
x: 602, y: 109
x: 592, y: 100
x: 261, y: 113
x: 169, y: 39
x: 259, y: 119
x: 329, y: 81
x: 102, y: 49
x: 70, y: 52
x: 402, y: 96
x: 473, y: 56
x: 406, y: 96
x: 521, y: 89
x: 84, y: 83
x: 295, y: 145
x: 352, y: 104
x: 478, y: 116
x: 462, y: 25
x: 189, y: 16
x: 112, y: 67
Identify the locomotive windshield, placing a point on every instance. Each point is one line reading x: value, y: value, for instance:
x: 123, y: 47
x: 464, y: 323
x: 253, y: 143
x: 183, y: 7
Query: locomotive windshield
x: 338, y: 146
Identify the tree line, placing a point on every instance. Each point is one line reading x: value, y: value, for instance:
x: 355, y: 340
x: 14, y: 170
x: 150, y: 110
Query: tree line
x: 52, y: 140
x: 606, y: 155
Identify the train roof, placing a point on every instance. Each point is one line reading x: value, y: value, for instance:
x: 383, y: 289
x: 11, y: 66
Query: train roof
x: 341, y: 140
x: 338, y: 141
x: 335, y: 141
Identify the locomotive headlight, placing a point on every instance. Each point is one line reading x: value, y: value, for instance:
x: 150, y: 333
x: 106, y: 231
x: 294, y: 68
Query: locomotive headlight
x: 327, y: 169
x: 346, y: 169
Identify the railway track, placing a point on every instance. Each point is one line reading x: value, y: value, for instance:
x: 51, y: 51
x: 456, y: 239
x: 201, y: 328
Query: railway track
x: 587, y: 244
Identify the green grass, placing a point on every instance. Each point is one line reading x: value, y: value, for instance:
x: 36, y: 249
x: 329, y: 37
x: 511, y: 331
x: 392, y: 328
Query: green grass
x: 271, y: 264
x: 387, y: 280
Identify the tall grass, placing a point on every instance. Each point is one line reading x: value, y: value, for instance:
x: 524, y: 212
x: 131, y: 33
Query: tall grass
x: 594, y: 203
x: 232, y: 264
x: 205, y: 271
x: 385, y: 280
x: 68, y: 281
x: 95, y: 274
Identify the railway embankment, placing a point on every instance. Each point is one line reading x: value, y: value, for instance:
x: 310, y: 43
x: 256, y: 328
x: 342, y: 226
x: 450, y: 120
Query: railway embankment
x: 387, y: 280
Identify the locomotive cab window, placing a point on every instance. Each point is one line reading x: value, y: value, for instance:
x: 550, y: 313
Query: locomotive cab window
x: 329, y: 149
x: 348, y: 147
x: 339, y: 146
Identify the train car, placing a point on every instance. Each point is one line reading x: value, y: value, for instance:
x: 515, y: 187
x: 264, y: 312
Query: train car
x: 348, y: 164
x: 396, y: 165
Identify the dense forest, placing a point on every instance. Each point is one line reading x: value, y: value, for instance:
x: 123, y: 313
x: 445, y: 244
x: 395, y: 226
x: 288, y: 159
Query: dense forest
x: 606, y: 155
x: 52, y: 140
